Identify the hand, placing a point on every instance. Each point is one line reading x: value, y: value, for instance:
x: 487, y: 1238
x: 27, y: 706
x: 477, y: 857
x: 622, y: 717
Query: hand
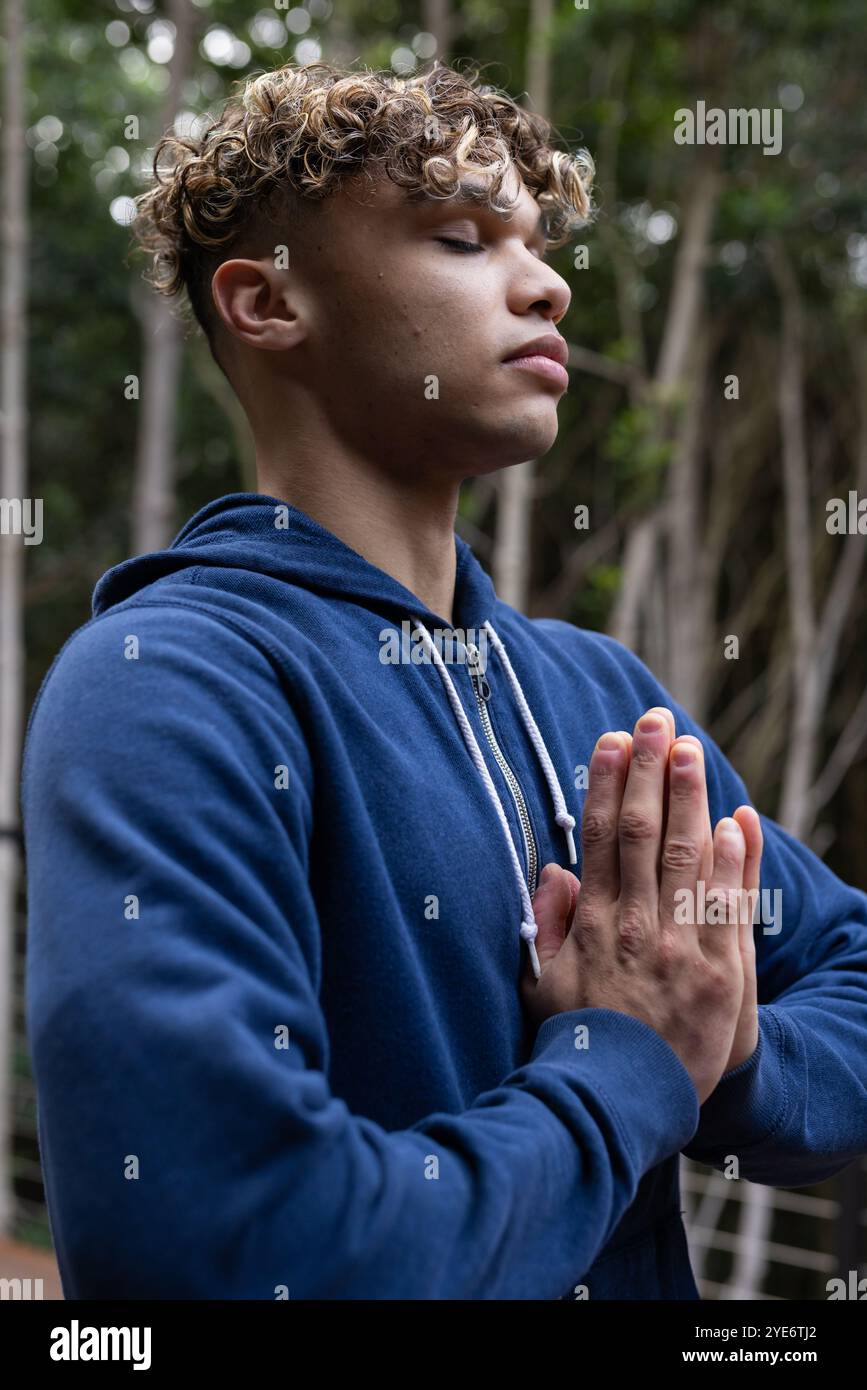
x: 557, y: 896
x: 746, y: 1037
x: 616, y: 940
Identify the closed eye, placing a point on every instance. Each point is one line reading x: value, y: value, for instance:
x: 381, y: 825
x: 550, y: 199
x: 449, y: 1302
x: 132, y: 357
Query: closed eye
x: 467, y: 246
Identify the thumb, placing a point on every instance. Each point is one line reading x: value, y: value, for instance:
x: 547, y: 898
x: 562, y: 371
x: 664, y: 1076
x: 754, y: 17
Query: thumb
x: 554, y: 906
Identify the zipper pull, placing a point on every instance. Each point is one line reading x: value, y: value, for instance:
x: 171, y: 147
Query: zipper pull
x: 478, y: 678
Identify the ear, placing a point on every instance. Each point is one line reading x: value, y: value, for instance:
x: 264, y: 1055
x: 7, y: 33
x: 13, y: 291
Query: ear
x: 258, y: 303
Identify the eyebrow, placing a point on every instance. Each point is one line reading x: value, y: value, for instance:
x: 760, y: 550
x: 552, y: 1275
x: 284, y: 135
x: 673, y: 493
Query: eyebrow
x: 470, y: 191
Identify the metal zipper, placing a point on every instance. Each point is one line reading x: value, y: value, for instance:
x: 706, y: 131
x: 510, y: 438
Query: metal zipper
x: 482, y: 691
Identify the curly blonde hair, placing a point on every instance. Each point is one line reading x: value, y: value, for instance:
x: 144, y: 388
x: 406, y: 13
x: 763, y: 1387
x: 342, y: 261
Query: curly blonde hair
x: 294, y: 134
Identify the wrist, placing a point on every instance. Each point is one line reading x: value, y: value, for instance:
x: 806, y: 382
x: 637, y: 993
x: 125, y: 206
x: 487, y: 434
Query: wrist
x: 743, y: 1050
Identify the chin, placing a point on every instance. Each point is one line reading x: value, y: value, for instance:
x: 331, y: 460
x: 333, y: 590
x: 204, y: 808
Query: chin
x: 517, y: 434
x: 506, y: 454
x: 531, y: 436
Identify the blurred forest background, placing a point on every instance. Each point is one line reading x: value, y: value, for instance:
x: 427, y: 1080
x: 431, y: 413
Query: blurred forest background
x: 717, y: 404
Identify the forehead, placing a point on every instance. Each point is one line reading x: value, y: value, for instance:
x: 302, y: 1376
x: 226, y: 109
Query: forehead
x: 400, y: 204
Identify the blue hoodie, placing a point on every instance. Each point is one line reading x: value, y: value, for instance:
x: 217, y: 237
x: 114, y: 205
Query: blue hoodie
x: 278, y: 911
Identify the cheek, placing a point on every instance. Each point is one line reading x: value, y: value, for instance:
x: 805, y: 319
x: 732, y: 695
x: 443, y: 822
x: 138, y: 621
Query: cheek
x: 369, y: 313
x: 414, y: 317
x: 448, y: 324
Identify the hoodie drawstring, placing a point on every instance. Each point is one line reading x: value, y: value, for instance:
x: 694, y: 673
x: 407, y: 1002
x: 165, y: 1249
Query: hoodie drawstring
x: 561, y: 814
x: 529, y: 929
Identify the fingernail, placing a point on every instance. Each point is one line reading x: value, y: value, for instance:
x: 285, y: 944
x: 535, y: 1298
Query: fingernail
x: 683, y: 755
x: 609, y: 742
x: 650, y: 723
x: 729, y: 828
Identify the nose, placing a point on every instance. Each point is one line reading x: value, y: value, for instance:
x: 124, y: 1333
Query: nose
x: 540, y: 290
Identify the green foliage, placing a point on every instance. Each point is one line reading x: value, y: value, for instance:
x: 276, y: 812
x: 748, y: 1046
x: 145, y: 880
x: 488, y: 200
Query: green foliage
x: 639, y: 453
x: 619, y: 72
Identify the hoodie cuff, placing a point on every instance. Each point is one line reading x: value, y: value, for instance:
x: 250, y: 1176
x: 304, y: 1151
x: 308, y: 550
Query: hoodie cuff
x: 638, y: 1076
x: 749, y: 1103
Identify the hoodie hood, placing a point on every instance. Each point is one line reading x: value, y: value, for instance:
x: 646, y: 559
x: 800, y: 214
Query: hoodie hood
x: 256, y: 533
x: 266, y: 535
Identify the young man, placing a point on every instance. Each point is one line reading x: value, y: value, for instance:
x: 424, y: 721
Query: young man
x: 297, y: 1028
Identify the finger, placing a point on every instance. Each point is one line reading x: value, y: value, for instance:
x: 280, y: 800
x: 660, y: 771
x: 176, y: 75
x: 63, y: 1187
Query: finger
x: 750, y: 823
x: 640, y: 830
x: 600, y: 874
x: 706, y: 828
x: 718, y: 932
x: 669, y: 718
x: 683, y: 848
x: 627, y: 740
x: 574, y: 890
x: 667, y: 715
x: 554, y: 905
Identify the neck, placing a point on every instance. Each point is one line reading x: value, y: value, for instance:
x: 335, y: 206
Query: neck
x: 403, y: 526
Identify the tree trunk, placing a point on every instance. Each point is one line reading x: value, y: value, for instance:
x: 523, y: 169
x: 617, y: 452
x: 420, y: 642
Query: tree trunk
x: 437, y: 19
x: 153, y: 506
x: 671, y: 537
x: 13, y: 483
x: 681, y: 324
x: 689, y: 608
x: 511, y: 555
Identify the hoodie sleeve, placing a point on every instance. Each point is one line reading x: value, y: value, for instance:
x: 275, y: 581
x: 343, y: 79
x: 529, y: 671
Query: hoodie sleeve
x: 795, y: 1112
x: 190, y: 1142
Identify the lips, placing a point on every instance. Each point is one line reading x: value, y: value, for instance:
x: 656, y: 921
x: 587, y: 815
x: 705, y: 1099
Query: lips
x: 549, y: 345
x: 544, y: 357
